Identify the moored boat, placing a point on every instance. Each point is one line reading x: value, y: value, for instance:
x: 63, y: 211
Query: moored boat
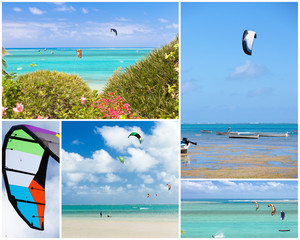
x: 249, y: 136
x: 262, y: 134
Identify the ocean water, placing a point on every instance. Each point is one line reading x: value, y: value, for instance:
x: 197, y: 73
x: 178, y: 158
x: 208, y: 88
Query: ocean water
x: 193, y: 132
x: 95, y: 66
x: 123, y: 212
x: 238, y: 219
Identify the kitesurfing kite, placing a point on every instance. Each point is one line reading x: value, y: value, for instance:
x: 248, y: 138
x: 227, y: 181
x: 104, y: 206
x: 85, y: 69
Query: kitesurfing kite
x: 79, y: 53
x: 257, y: 206
x: 114, y: 30
x: 25, y: 154
x: 121, y: 159
x: 247, y: 42
x: 148, y: 195
x: 282, y: 215
x: 138, y: 136
x: 169, y: 187
x: 273, y: 209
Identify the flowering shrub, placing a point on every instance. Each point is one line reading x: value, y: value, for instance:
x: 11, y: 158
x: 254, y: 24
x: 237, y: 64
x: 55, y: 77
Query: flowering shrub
x: 57, y: 95
x: 150, y: 86
x: 112, y: 108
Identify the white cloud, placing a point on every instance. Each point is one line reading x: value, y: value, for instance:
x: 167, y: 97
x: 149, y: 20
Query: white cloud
x: 85, y: 11
x: 16, y: 9
x: 117, y: 137
x: 174, y: 25
x: 140, y: 161
x: 65, y: 8
x: 167, y: 178
x: 162, y: 20
x: 248, y: 71
x: 146, y: 178
x: 36, y: 11
x: 101, y: 162
x: 196, y: 186
x: 110, y: 178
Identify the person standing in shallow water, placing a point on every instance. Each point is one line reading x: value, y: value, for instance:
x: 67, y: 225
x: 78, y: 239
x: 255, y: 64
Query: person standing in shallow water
x: 101, y: 214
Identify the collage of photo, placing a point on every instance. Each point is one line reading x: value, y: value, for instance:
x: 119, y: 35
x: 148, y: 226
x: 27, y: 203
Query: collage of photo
x: 144, y: 119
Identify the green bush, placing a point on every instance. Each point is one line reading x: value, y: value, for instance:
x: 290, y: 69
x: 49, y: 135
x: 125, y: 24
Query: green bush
x: 151, y: 85
x: 46, y: 94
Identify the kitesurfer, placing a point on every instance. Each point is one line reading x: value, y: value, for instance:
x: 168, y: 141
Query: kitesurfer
x: 101, y: 214
x: 186, y: 141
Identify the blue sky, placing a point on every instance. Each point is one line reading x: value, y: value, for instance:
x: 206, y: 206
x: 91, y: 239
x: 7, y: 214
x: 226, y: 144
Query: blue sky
x: 93, y: 174
x: 220, y: 83
x: 52, y: 193
x: 71, y: 24
x: 228, y: 189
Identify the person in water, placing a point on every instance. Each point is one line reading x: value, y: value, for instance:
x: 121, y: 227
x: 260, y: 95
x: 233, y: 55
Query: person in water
x: 101, y: 214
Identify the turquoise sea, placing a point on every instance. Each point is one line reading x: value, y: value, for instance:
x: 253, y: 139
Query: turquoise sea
x: 125, y: 212
x: 238, y: 219
x: 95, y: 66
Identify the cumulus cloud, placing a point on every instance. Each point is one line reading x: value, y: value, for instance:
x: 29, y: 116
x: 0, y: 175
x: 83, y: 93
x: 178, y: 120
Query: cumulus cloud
x: 36, y: 11
x: 140, y: 161
x: 195, y: 186
x: 110, y: 178
x: 117, y: 137
x: 249, y: 70
x: 146, y: 178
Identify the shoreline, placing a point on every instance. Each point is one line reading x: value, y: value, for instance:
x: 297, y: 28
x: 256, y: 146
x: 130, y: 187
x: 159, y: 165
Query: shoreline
x: 109, y: 228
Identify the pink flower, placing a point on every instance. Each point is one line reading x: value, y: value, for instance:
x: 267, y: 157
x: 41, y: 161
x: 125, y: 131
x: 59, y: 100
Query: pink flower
x: 18, y: 108
x: 82, y: 99
x: 3, y: 111
x: 41, y: 117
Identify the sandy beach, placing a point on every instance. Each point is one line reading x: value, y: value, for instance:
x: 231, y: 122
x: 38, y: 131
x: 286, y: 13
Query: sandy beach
x: 109, y: 228
x: 228, y: 161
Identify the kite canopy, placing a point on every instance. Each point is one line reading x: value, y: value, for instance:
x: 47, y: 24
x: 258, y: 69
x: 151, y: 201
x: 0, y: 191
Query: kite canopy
x: 169, y: 187
x: 138, y: 136
x: 282, y: 215
x: 114, y: 30
x: 79, y: 53
x: 247, y: 42
x: 25, y: 154
x: 121, y: 159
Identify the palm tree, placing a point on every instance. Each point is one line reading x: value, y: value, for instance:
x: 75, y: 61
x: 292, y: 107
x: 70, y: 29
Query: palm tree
x: 4, y: 64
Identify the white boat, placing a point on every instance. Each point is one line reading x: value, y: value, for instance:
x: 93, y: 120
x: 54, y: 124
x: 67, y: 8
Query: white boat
x: 249, y: 136
x: 262, y: 134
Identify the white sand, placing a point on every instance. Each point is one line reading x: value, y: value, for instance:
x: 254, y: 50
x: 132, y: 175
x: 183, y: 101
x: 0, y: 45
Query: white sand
x: 109, y: 228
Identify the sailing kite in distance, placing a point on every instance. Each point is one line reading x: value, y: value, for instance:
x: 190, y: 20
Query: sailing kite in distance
x: 114, y: 30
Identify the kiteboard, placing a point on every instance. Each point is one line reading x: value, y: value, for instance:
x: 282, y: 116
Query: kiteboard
x: 284, y: 230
